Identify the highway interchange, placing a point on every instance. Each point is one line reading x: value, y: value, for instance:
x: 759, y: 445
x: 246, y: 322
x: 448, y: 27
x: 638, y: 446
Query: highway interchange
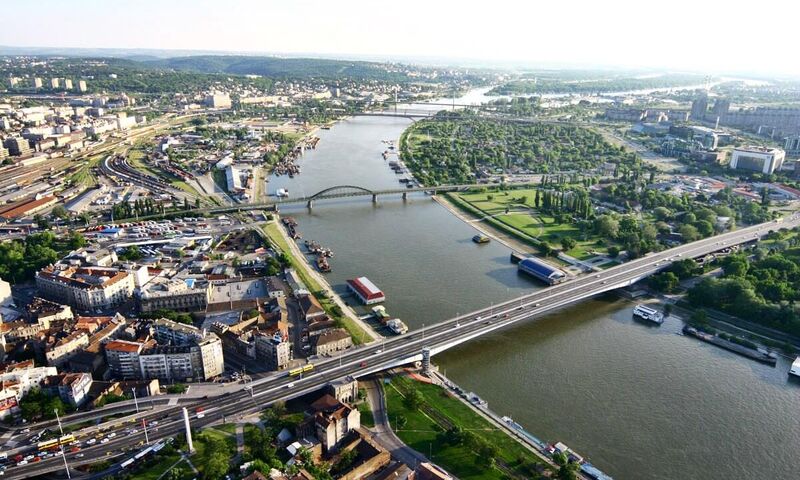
x: 266, y: 389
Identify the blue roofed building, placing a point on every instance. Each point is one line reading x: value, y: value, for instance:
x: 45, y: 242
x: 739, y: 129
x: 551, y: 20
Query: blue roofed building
x: 542, y: 271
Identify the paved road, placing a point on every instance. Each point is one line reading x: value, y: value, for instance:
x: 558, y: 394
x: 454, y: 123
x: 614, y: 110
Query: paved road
x: 384, y: 434
x: 267, y: 389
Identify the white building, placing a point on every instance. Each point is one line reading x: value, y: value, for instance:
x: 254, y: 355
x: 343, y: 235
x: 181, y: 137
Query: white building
x: 757, y: 159
x: 16, y: 381
x: 218, y: 100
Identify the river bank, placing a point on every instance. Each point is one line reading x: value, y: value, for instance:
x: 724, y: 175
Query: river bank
x: 359, y: 330
x: 639, y: 400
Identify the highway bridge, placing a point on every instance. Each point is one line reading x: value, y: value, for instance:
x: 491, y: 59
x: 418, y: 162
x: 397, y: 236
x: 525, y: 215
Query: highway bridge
x: 266, y: 389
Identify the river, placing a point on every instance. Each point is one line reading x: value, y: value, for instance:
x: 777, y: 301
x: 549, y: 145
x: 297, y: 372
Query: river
x: 639, y: 402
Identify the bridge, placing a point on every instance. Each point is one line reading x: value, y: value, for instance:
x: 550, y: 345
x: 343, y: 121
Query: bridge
x: 338, y: 191
x: 346, y: 191
x: 266, y: 389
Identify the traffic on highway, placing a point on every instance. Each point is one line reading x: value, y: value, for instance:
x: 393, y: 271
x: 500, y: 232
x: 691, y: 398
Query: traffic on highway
x: 132, y: 435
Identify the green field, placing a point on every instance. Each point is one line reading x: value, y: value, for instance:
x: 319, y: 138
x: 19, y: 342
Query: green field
x: 425, y: 434
x: 156, y: 468
x: 525, y: 222
x: 301, y: 267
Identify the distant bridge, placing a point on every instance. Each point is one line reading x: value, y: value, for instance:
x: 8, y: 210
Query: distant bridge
x: 337, y: 191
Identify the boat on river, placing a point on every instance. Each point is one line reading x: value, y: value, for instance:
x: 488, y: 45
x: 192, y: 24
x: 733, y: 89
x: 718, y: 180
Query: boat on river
x: 650, y: 314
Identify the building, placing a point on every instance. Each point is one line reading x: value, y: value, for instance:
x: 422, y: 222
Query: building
x: 429, y: 471
x: 62, y: 350
x: 54, y: 83
x: 16, y: 380
x: 721, y: 107
x: 168, y: 332
x: 329, y: 421
x: 25, y: 208
x: 123, y: 358
x: 542, y: 271
x: 18, y: 146
x: 331, y: 341
x: 792, y: 144
x: 197, y: 360
x: 365, y: 290
x: 757, y: 159
x: 82, y: 86
x: 85, y: 288
x: 218, y: 100
x: 276, y: 352
x: 176, y: 294
x: 310, y: 307
x: 626, y: 114
x: 37, y: 82
x: 72, y: 388
x: 699, y: 108
x: 345, y: 390
x: 68, y: 84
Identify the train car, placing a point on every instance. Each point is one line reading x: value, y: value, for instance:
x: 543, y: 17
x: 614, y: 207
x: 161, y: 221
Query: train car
x: 300, y: 370
x: 126, y: 463
x: 54, y: 442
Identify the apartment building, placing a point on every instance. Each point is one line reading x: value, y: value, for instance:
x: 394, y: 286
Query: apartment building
x: 62, y: 350
x: 175, y: 295
x: 276, y: 352
x: 72, y: 388
x: 85, y: 288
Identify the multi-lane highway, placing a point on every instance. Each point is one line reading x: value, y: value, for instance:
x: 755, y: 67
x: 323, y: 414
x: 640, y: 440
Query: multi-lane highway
x: 267, y: 389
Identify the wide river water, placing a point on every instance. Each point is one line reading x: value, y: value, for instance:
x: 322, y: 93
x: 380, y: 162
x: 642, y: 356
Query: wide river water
x: 639, y: 402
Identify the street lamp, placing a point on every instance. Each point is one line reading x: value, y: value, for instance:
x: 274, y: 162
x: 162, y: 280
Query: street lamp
x: 63, y: 455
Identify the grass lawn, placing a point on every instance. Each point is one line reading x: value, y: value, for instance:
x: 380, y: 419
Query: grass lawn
x: 229, y: 428
x: 523, y: 217
x: 423, y: 433
x: 301, y: 267
x: 155, y: 468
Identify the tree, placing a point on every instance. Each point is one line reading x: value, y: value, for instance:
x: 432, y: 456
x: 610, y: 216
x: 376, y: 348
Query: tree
x: 215, y: 458
x: 41, y: 222
x: 689, y: 233
x: 667, y: 309
x: 665, y: 282
x: 568, y: 243
x: 704, y: 228
x: 413, y: 399
x: 607, y: 226
x: 60, y: 212
x: 736, y: 268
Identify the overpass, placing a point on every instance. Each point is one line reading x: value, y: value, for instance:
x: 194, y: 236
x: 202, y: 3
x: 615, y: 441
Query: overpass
x: 269, y: 388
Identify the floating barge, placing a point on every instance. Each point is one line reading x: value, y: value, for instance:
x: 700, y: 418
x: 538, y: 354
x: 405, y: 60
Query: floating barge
x: 742, y: 350
x: 396, y: 325
x: 480, y: 239
x: 366, y: 291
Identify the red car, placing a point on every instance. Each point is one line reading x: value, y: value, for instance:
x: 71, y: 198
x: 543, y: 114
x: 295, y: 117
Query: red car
x: 363, y: 364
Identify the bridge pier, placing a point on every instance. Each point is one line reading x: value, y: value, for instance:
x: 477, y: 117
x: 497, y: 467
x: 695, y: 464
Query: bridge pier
x: 405, y: 196
x: 374, y: 198
x: 310, y: 204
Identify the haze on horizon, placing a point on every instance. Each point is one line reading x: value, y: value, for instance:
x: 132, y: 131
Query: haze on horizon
x: 711, y: 36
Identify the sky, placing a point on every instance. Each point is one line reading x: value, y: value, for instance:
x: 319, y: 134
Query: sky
x: 710, y: 36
